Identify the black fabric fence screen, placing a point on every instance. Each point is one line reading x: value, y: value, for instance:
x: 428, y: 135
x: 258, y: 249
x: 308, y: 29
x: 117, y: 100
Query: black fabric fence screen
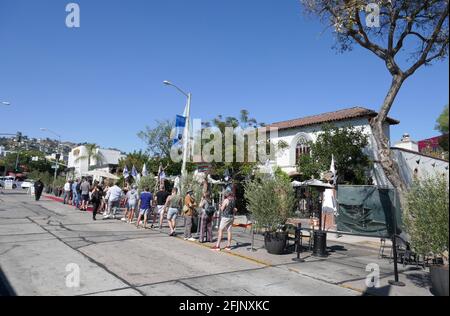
x: 368, y: 210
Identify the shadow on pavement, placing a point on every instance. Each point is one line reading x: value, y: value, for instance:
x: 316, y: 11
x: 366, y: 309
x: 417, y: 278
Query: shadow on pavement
x: 5, y: 287
x: 382, y: 291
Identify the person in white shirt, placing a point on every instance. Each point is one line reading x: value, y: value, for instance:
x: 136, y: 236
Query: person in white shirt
x: 113, y: 197
x: 67, y: 189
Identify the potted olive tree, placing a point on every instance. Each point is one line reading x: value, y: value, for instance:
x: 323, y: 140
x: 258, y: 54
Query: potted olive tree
x: 271, y: 201
x: 427, y: 224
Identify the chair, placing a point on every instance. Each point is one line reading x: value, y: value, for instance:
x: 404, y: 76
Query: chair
x: 382, y: 249
x: 405, y: 255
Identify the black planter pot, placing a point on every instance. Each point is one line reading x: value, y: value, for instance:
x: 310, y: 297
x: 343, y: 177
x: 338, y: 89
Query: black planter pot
x: 275, y: 243
x: 439, y: 279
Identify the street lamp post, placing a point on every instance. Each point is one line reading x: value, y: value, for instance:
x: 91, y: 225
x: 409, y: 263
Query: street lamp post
x: 56, y: 166
x: 186, y: 132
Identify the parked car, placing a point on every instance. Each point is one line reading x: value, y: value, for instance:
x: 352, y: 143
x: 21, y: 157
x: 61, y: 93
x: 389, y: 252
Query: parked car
x: 27, y: 184
x: 3, y: 179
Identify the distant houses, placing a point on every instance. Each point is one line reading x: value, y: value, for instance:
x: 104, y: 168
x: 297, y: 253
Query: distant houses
x: 80, y: 163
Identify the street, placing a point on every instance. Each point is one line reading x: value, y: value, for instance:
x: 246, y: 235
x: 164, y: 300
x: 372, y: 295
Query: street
x: 43, y: 243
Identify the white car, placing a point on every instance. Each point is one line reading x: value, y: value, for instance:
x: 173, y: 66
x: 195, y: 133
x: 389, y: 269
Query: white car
x: 27, y: 184
x: 4, y: 179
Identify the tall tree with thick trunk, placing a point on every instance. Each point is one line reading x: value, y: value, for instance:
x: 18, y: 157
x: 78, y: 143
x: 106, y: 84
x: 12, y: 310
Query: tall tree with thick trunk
x: 413, y: 33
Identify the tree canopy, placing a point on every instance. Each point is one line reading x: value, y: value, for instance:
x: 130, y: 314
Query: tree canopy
x: 404, y: 34
x: 347, y: 146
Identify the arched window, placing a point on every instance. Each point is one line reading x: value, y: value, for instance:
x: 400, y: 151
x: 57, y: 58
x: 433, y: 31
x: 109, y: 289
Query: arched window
x: 300, y: 150
x: 299, y: 146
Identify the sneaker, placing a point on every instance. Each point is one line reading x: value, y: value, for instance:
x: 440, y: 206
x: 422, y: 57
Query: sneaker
x: 185, y: 239
x: 215, y: 248
x: 228, y: 248
x: 124, y: 219
x: 192, y: 239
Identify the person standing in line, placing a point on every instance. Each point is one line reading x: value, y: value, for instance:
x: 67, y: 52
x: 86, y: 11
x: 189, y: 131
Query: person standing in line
x: 67, y: 189
x: 85, y: 188
x: 189, y: 213
x: 79, y: 194
x: 132, y: 201
x: 38, y: 188
x: 75, y: 193
x: 145, y: 205
x: 104, y: 206
x: 173, y: 204
x: 206, y: 218
x: 161, y: 199
x: 96, y: 199
x: 228, y: 209
x: 113, y: 197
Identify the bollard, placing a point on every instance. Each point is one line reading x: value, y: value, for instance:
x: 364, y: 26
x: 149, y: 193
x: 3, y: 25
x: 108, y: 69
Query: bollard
x: 298, y: 243
x: 252, y: 248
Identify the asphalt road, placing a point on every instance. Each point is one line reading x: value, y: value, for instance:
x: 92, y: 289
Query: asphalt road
x: 47, y: 247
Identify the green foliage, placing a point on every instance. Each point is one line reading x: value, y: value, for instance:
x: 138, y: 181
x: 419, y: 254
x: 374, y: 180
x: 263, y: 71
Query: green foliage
x: 136, y: 158
x: 426, y: 217
x: 347, y: 145
x: 442, y: 121
x: 159, y: 143
x: 45, y: 177
x: 442, y: 126
x: 26, y: 163
x: 192, y: 184
x: 239, y: 170
x: 270, y: 200
x: 149, y: 182
x: 158, y: 139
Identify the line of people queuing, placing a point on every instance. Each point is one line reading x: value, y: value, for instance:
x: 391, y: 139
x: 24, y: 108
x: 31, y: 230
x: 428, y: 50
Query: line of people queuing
x: 141, y: 207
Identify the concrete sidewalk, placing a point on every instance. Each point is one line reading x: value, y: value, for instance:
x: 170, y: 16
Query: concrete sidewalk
x: 39, y: 239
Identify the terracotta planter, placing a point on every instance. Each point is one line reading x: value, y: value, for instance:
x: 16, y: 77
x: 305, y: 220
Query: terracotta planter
x: 439, y: 279
x: 275, y: 243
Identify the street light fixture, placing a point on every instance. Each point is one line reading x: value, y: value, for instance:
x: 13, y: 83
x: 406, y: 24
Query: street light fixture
x: 5, y: 103
x: 186, y: 131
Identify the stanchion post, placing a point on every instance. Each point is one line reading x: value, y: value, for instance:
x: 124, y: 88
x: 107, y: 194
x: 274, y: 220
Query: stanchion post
x: 252, y: 247
x: 396, y: 281
x: 298, y: 243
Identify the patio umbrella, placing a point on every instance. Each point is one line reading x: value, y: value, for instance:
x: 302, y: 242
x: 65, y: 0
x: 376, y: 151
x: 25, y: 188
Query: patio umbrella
x: 103, y: 174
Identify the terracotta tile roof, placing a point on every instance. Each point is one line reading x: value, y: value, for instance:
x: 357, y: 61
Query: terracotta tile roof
x: 341, y: 115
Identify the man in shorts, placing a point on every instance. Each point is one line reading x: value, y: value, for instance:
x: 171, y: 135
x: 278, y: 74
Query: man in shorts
x: 145, y: 205
x: 228, y: 209
x: 174, y: 204
x: 161, y: 199
x: 85, y: 189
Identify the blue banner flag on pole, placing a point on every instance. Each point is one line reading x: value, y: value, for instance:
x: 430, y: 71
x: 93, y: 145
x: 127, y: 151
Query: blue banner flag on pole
x: 126, y: 174
x: 144, y: 171
x: 134, y: 172
x: 180, y: 125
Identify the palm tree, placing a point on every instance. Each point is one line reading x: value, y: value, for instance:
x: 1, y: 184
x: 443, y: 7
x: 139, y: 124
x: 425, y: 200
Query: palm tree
x: 92, y: 152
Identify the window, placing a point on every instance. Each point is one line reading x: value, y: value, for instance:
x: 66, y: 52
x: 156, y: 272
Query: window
x: 301, y: 150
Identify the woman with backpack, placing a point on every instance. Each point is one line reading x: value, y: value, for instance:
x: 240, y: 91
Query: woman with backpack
x: 206, y: 218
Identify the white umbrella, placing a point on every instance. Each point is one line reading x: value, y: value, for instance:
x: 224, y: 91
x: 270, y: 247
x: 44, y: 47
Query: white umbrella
x: 103, y: 174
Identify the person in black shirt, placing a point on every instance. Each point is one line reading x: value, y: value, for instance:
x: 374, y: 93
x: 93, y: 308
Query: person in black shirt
x: 161, y: 198
x: 38, y: 188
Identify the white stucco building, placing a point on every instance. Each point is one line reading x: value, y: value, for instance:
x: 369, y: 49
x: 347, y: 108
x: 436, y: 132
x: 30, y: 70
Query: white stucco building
x: 297, y: 133
x: 414, y: 164
x: 79, y: 163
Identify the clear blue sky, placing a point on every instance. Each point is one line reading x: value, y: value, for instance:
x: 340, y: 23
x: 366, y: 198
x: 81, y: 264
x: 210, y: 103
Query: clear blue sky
x: 102, y: 82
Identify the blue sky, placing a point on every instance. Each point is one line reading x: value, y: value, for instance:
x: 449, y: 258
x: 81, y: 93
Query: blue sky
x: 102, y: 82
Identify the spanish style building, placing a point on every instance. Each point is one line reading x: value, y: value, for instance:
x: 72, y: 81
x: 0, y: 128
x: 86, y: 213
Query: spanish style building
x: 298, y: 133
